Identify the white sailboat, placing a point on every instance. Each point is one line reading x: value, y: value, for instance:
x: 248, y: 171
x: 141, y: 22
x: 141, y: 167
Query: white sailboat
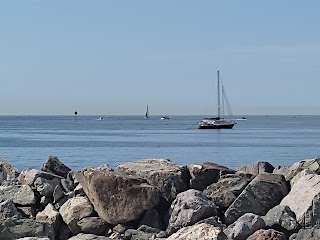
x: 218, y: 122
x: 147, y: 112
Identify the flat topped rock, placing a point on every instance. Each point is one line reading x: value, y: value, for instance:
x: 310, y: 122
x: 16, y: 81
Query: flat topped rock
x: 169, y: 177
x: 116, y: 196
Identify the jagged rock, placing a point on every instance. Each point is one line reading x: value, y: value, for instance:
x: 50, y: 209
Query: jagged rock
x: 269, y: 234
x: 7, y: 210
x: 227, y: 189
x: 29, y: 176
x: 281, y: 218
x: 83, y: 236
x: 75, y: 209
x: 169, y: 177
x: 204, y: 174
x: 263, y: 193
x: 307, y: 234
x: 133, y: 234
x: 201, y: 231
x: 304, y: 200
x: 55, y: 166
x: 45, y: 187
x: 12, y: 228
x: 257, y: 168
x: 33, y: 238
x: 49, y: 215
x: 93, y: 225
x: 22, y: 195
x: 116, y: 196
x: 283, y: 170
x: 244, y: 226
x: 188, y: 208
x: 57, y: 194
x: 300, y: 174
x: 7, y: 171
x: 310, y: 164
x: 28, y: 212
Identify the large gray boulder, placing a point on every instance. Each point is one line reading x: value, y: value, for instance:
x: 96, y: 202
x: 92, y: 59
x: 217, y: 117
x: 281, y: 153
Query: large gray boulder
x: 244, y: 226
x: 310, y: 164
x: 227, y: 189
x: 13, y: 228
x: 93, y: 225
x: 169, y: 177
x: 7, y: 171
x: 203, y: 231
x: 263, y: 193
x: 307, y: 234
x: 75, y: 209
x: 50, y: 215
x: 116, y: 196
x: 21, y: 195
x: 281, y: 218
x: 55, y: 166
x: 7, y: 210
x: 257, y: 168
x: 304, y: 200
x: 269, y: 234
x: 204, y: 174
x: 188, y: 208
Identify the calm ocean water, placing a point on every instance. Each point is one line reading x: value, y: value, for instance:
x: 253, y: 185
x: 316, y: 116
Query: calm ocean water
x: 27, y: 141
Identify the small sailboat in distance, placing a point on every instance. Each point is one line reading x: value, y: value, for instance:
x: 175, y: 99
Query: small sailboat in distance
x: 147, y: 112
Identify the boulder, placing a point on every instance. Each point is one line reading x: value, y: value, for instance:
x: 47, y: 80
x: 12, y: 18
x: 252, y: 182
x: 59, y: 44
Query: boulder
x: 21, y: 195
x: 310, y: 164
x: 307, y: 234
x: 7, y: 210
x: 257, y: 168
x: 188, y: 208
x: 204, y: 174
x: 75, y: 209
x: 45, y: 187
x: 263, y: 193
x: 83, y: 236
x: 13, y: 228
x: 269, y: 234
x: 7, y: 170
x: 244, y: 226
x: 282, y: 219
x: 49, y: 215
x: 116, y: 196
x: 93, y: 225
x: 304, y: 200
x: 169, y: 177
x: 29, y: 176
x: 283, y: 170
x: 55, y: 166
x: 227, y: 189
x: 203, y: 231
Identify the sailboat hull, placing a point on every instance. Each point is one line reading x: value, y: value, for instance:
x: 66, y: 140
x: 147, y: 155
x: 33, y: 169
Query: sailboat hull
x: 222, y: 126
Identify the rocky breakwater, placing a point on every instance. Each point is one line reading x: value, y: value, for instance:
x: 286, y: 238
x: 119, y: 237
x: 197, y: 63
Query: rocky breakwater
x: 159, y: 199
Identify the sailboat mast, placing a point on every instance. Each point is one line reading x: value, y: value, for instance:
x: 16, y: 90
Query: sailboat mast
x: 218, y: 75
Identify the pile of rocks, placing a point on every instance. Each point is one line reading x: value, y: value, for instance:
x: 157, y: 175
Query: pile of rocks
x: 158, y: 199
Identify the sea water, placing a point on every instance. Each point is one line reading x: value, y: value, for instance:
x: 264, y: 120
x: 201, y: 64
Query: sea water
x: 27, y: 141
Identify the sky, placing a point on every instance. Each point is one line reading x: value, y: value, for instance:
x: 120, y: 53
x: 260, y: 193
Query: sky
x: 115, y: 57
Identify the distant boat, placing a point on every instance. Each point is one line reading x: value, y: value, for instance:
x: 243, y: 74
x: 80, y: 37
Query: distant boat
x: 218, y: 122
x: 164, y: 117
x: 100, y: 118
x: 147, y: 112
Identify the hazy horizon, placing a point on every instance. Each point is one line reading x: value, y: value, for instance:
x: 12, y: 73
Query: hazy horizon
x: 115, y: 57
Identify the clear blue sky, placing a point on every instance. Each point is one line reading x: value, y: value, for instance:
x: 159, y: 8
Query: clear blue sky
x: 115, y: 57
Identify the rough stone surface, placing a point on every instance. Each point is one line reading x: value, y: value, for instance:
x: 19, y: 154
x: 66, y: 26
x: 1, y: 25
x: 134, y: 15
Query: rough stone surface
x: 22, y: 195
x: 83, y: 236
x: 201, y: 231
x: 307, y: 234
x: 188, y: 208
x: 227, y: 189
x: 49, y: 215
x: 169, y: 177
x: 93, y: 225
x: 7, y: 210
x: 263, y: 193
x: 310, y: 164
x: 12, y: 228
x: 257, y: 168
x: 304, y: 200
x: 269, y: 234
x: 75, y: 209
x: 10, y: 172
x: 204, y: 174
x: 244, y: 226
x: 117, y: 197
x: 55, y: 166
x: 281, y: 218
